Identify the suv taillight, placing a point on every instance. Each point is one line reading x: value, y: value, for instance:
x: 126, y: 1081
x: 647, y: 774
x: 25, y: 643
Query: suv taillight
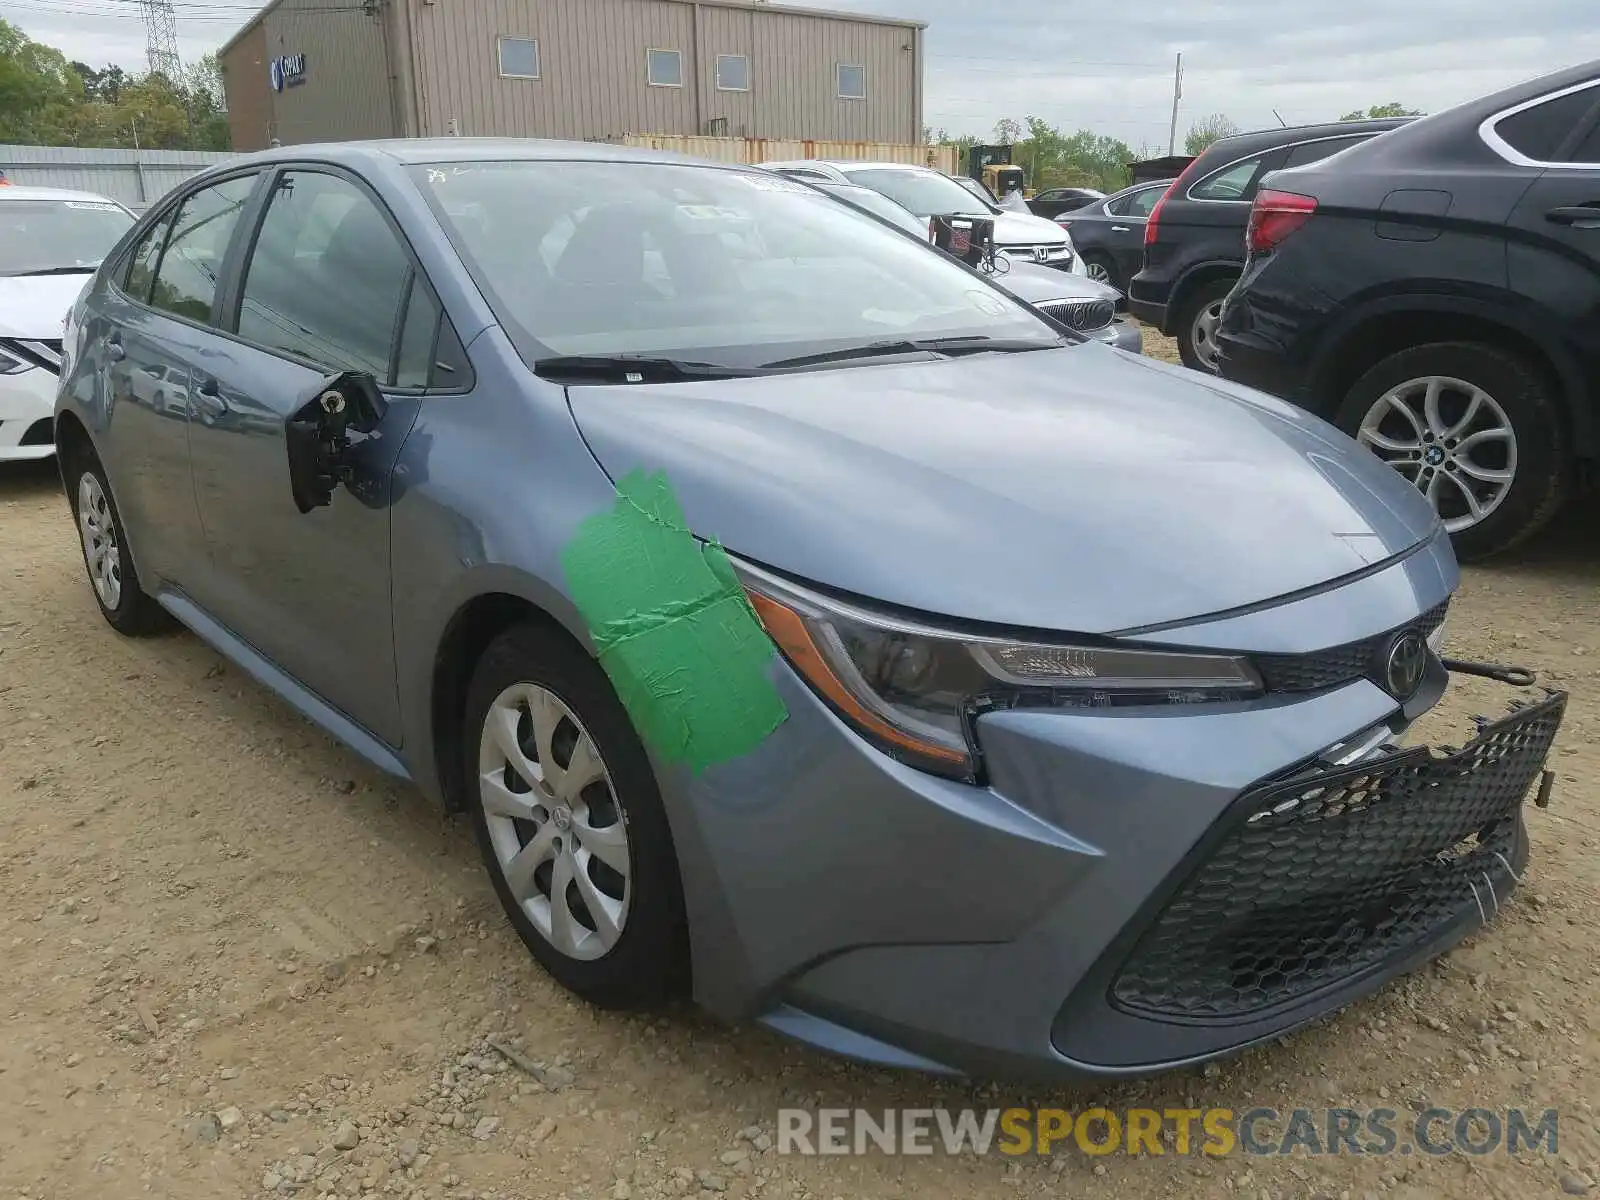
x: 1155, y: 215
x: 1274, y: 216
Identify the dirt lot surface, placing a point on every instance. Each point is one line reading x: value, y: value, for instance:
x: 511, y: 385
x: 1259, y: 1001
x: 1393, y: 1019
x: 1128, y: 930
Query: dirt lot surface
x: 238, y: 963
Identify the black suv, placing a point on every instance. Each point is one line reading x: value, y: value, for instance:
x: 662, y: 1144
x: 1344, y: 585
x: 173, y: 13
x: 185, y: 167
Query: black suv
x: 1436, y: 293
x: 1194, y: 238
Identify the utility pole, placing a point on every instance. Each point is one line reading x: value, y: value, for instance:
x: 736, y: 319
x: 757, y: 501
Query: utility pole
x: 161, y: 39
x: 1177, y: 93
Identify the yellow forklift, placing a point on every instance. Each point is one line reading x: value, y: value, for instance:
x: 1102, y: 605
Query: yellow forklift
x: 992, y: 167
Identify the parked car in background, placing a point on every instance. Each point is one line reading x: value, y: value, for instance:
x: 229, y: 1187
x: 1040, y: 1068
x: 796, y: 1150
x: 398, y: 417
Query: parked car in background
x: 929, y: 193
x: 1194, y: 236
x: 1080, y: 304
x: 801, y: 622
x: 1109, y: 234
x: 1436, y: 293
x: 976, y: 187
x: 1052, y: 202
x: 51, y: 241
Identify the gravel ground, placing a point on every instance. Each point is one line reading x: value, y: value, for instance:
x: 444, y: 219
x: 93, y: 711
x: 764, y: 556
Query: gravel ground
x: 240, y: 964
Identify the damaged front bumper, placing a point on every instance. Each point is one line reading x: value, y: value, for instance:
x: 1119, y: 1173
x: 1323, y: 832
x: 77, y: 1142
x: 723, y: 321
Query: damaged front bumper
x: 1300, y: 892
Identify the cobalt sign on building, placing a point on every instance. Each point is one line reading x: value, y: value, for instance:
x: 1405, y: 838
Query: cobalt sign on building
x: 308, y: 70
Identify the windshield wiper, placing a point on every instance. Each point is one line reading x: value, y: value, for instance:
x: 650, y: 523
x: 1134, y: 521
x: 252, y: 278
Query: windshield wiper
x: 631, y: 368
x: 971, y: 344
x: 54, y: 271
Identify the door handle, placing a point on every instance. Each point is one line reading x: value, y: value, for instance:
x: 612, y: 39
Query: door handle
x: 208, y: 398
x: 114, y: 350
x: 1579, y: 216
x: 1119, y: 229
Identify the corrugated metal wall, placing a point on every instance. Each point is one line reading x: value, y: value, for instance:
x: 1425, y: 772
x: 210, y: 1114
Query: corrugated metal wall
x: 593, y: 82
x: 347, y: 92
x: 756, y: 150
x: 135, y: 177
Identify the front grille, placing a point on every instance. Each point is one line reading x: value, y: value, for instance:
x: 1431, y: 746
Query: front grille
x: 1332, y: 873
x: 1330, y: 668
x: 1082, y: 315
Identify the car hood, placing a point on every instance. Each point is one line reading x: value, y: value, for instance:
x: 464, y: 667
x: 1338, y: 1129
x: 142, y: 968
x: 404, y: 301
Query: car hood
x: 1077, y: 489
x: 1025, y: 229
x: 35, y: 306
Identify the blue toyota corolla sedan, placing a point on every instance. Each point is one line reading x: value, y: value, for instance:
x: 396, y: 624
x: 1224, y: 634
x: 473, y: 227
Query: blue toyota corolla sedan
x: 804, y: 623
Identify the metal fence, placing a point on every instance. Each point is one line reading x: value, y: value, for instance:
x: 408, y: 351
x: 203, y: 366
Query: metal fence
x: 137, y: 178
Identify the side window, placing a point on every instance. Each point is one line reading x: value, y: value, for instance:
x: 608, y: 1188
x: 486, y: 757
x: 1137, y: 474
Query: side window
x: 326, y: 277
x: 185, y: 284
x: 1310, y: 152
x: 142, y: 262
x: 1142, y: 204
x: 1230, y: 184
x: 1587, y: 151
x: 418, y: 332
x: 1539, y: 131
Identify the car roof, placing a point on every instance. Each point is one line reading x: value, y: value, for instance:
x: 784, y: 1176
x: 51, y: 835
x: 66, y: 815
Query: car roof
x: 20, y: 192
x: 1241, y: 144
x: 419, y: 151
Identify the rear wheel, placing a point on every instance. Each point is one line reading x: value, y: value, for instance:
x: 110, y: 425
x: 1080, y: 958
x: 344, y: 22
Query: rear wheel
x: 1102, y: 270
x: 1197, y: 325
x: 1477, y: 430
x: 571, y: 824
x: 112, y: 576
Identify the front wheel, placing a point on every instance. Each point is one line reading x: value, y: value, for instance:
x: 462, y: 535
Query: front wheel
x: 571, y: 824
x: 1101, y: 270
x: 1197, y: 325
x: 1479, y: 432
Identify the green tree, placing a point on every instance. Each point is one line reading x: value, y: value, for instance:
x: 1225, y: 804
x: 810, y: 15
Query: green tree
x: 1392, y: 109
x: 1208, y: 130
x: 1008, y: 131
x: 37, y: 89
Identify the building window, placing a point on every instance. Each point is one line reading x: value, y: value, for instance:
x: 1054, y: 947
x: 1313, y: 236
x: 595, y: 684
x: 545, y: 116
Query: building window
x: 665, y: 68
x: 733, y: 73
x: 852, y: 82
x: 519, y: 58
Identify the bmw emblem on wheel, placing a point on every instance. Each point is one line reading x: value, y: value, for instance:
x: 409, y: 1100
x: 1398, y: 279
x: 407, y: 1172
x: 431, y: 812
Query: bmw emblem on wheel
x: 1408, y: 660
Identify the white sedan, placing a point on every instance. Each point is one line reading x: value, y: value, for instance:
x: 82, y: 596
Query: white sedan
x: 51, y: 241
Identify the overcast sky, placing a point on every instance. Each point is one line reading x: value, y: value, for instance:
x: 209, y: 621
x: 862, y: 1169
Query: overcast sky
x: 1104, y: 65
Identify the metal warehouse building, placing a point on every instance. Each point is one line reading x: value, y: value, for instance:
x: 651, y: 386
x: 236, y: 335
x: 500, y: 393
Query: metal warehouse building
x: 314, y: 70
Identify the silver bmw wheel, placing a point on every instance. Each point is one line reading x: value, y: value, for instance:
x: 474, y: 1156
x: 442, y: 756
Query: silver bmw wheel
x: 1450, y: 438
x: 1203, y: 334
x: 99, y: 533
x: 559, y: 837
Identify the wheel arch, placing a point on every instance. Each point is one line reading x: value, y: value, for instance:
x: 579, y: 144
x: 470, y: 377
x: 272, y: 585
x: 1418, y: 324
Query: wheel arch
x: 1190, y: 281
x: 1374, y: 331
x: 466, y: 634
x: 72, y: 442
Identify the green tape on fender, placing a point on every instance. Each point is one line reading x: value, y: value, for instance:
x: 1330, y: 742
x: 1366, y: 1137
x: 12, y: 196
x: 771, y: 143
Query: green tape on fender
x: 673, y: 628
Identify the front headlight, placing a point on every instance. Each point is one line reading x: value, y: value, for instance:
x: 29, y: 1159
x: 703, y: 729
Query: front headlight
x: 914, y: 690
x: 13, y: 366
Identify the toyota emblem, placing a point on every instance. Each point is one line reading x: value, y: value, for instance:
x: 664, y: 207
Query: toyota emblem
x: 1406, y: 664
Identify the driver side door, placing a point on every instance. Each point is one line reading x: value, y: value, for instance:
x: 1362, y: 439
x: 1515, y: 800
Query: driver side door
x: 326, y: 285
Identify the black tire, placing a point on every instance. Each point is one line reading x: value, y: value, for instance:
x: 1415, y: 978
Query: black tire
x: 1201, y: 298
x: 1104, y: 261
x: 648, y: 964
x: 1544, y: 470
x: 135, y: 613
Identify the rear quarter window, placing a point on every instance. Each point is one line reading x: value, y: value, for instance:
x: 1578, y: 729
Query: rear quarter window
x: 1310, y: 152
x: 1540, y: 131
x: 1230, y: 183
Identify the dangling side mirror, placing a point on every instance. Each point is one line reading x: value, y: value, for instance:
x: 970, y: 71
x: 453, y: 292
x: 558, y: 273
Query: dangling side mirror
x: 318, y: 435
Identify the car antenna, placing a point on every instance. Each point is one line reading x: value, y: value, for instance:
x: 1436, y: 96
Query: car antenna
x: 1281, y: 121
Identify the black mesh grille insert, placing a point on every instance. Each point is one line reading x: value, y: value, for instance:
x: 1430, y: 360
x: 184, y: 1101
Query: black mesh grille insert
x: 1341, y: 664
x: 1082, y: 315
x: 1329, y: 874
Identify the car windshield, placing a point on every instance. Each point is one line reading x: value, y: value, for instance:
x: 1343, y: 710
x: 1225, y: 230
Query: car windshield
x: 878, y: 204
x: 46, y: 235
x: 719, y: 266
x: 926, y: 193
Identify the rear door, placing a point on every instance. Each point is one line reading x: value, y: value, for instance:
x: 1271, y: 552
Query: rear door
x: 327, y: 285
x: 1554, y: 232
x: 153, y: 327
x: 1123, y: 227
